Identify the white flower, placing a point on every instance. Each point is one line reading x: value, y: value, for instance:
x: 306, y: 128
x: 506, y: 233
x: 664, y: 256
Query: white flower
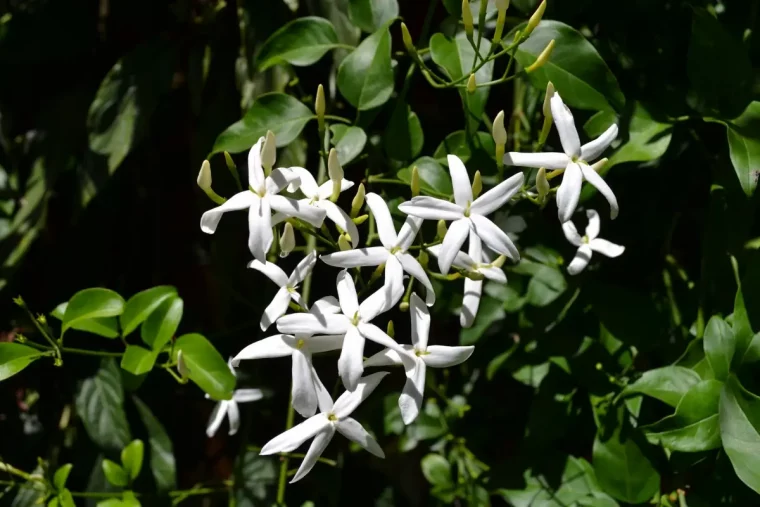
x: 323, y: 425
x: 393, y: 253
x: 467, y: 213
x: 473, y: 289
x: 300, y: 347
x: 230, y: 408
x: 576, y: 161
x: 591, y: 242
x: 353, y: 323
x: 260, y: 199
x: 435, y: 356
x: 319, y: 197
x: 288, y: 286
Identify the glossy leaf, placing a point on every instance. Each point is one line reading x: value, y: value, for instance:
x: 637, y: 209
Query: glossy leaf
x: 433, y: 177
x: 370, y: 15
x: 719, y: 347
x: 162, y: 463
x: 648, y: 139
x: 284, y: 115
x: 99, y: 403
x: 14, y: 357
x: 744, y: 146
x: 138, y: 360
x: 348, y: 141
x: 740, y: 431
x: 107, y: 327
x: 742, y: 329
x: 457, y: 144
x: 667, y: 384
x: 206, y: 366
x: 114, y: 473
x: 623, y: 471
x: 61, y: 476
x: 91, y: 304
x: 132, y: 458
x: 160, y: 326
x: 142, y: 304
x: 301, y: 42
x: 403, y: 137
x: 694, y: 358
x: 365, y: 77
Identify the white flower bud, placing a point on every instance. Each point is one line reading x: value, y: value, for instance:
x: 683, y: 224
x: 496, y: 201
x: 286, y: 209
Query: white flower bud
x: 287, y: 240
x: 498, y: 130
x: 204, y: 177
x: 334, y: 168
x: 269, y: 152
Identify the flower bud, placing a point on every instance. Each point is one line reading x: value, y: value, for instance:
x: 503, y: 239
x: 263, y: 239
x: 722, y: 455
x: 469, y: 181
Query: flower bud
x: 423, y: 258
x: 287, y: 240
x: 542, y: 58
x: 358, y: 202
x: 204, y: 177
x: 404, y: 306
x: 599, y: 164
x: 415, y: 183
x: 409, y: 43
x: 319, y: 107
x: 499, y: 262
x: 343, y: 243
x: 441, y: 229
x: 360, y: 220
x: 535, y: 19
x: 474, y: 275
x: 501, y: 17
x: 477, y: 185
x: 335, y: 171
x: 269, y: 152
x: 390, y: 331
x: 467, y: 18
x: 472, y: 85
x: 498, y: 131
x: 547, y: 108
x: 542, y: 184
x: 502, y: 5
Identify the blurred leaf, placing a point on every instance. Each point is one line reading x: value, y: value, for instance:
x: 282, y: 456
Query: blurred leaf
x: 392, y: 422
x: 258, y: 474
x: 206, y: 366
x: 107, y: 327
x: 532, y: 374
x: 284, y: 115
x: 14, y: 357
x: 90, y: 304
x: 114, y: 473
x: 370, y: 15
x: 457, y: 144
x: 739, y: 423
x: 719, y: 347
x: 301, y: 42
x: 575, y: 68
x: 490, y: 311
x: 403, y: 136
x: 142, y: 304
x: 742, y: 331
x: 132, y: 458
x: 348, y: 141
x: 648, y: 139
x: 99, y: 403
x: 61, y: 476
x: 365, y: 77
x: 546, y: 283
x: 66, y: 499
x: 31, y: 493
x: 433, y: 177
x: 137, y: 360
x: 162, y: 462
x: 623, y: 471
x: 667, y: 384
x: 437, y: 471
x: 162, y: 323
x: 744, y: 146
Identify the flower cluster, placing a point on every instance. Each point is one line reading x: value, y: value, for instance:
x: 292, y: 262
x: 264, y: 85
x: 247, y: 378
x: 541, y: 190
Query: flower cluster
x: 345, y: 323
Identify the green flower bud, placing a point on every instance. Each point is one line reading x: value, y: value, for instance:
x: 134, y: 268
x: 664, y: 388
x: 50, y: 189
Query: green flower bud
x: 542, y: 184
x: 358, y: 202
x: 535, y: 19
x: 335, y: 171
x: 477, y: 185
x: 360, y: 220
x: 498, y: 131
x: 441, y: 229
x: 547, y: 108
x: 472, y: 84
x: 390, y: 330
x: 343, y: 243
x: 319, y: 107
x: 542, y: 58
x: 467, y: 18
x: 269, y: 152
x: 415, y: 183
x: 204, y: 176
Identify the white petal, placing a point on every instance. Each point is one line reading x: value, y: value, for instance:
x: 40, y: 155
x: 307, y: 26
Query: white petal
x: 210, y: 219
x: 408, y: 232
x: 217, y: 416
x: 580, y: 261
x: 323, y: 396
x: 325, y: 305
x: 569, y: 192
x: 324, y: 343
x: 260, y: 228
x: 374, y: 333
x: 410, y: 400
x: 341, y: 219
x: 233, y: 417
x: 386, y: 357
x: 271, y: 271
x: 591, y: 151
x: 385, y: 228
x: 352, y: 430
x: 310, y: 324
x: 303, y: 393
x: 281, y: 178
x: 273, y: 346
x: 545, y: 160
x: 349, y: 302
x: 594, y: 224
x: 349, y: 400
x: 494, y: 274
x: 276, y: 308
x: 247, y: 395
x: 452, y: 243
x: 308, y: 184
x: 317, y: 447
x: 303, y: 269
x: 394, y: 289
x: 415, y: 269
x: 431, y: 208
x: 470, y: 301
x: 571, y: 233
x: 475, y: 247
x: 351, y: 357
x: 460, y: 181
x: 298, y: 209
x: 420, y: 322
x: 440, y: 356
x: 498, y: 195
x: 494, y: 238
x: 295, y: 436
x: 278, y: 218
x: 563, y: 119
x: 326, y: 188
x: 461, y: 260
x: 597, y: 181
x: 607, y: 248
x: 370, y: 256
x: 255, y: 171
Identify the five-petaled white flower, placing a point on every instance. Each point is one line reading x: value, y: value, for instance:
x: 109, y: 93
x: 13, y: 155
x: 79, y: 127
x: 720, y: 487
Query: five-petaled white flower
x: 288, y: 286
x: 467, y: 214
x: 323, y: 425
x: 575, y: 160
x: 393, y: 253
x: 589, y: 243
x: 473, y: 289
x: 300, y: 347
x: 354, y: 323
x: 260, y: 199
x: 319, y: 196
x: 435, y: 356
x: 230, y: 408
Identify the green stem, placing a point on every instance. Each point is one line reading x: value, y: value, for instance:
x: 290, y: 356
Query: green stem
x: 337, y: 118
x: 85, y: 352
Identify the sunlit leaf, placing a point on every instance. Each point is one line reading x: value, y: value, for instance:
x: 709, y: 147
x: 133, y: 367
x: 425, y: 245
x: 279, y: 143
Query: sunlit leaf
x: 205, y: 366
x: 14, y: 357
x: 365, y: 77
x: 301, y: 42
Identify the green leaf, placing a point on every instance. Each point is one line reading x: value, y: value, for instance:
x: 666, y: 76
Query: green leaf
x: 456, y: 57
x: 99, y: 403
x: 547, y: 283
x: 107, y: 327
x: 206, y: 366
x: 623, y: 471
x: 667, y: 384
x: 66, y: 499
x: 142, y: 304
x: 437, y: 470
x: 371, y: 15
x: 744, y: 147
x: 259, y: 476
x: 695, y: 426
x: 365, y: 77
x: 433, y: 177
x: 128, y: 499
x: 457, y: 144
x: 162, y: 462
x: 742, y: 330
x: 61, y: 476
x: 490, y: 311
x: 301, y: 42
x: 694, y: 358
x: 132, y: 458
x: 114, y: 473
x: 719, y: 347
x: 137, y: 360
x: 14, y: 357
x: 91, y: 304
x: 284, y: 115
x: 31, y: 493
x: 348, y: 141
x: 162, y: 323
x: 740, y: 431
x: 403, y: 136
x: 575, y: 68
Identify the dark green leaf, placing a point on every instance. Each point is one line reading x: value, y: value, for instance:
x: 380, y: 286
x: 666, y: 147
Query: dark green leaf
x: 259, y: 475
x: 162, y: 323
x: 403, y: 136
x: 623, y: 471
x: 14, y: 357
x: 162, y: 462
x: 740, y: 431
x: 667, y: 384
x: 142, y: 304
x: 206, y: 366
x: 301, y: 42
x: 457, y: 144
x: 648, y: 139
x: 490, y: 311
x: 437, y: 470
x: 370, y: 15
x: 137, y: 360
x: 719, y: 347
x: 132, y: 458
x: 114, y: 473
x: 91, y: 304
x: 433, y: 177
x: 365, y: 77
x: 107, y: 327
x: 744, y: 146
x: 61, y: 476
x: 547, y: 283
x: 348, y: 141
x: 694, y: 359
x: 99, y: 403
x: 742, y: 330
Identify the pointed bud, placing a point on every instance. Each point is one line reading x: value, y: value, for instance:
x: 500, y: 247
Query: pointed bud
x: 477, y: 185
x: 269, y: 152
x: 343, y: 243
x: 501, y: 17
x: 441, y: 229
x: 358, y: 202
x: 404, y: 306
x: 535, y: 19
x: 542, y: 58
x: 319, y: 107
x: 390, y: 330
x: 599, y: 164
x: 542, y: 184
x: 409, y: 43
x: 474, y: 275
x: 415, y: 184
x: 228, y: 160
x: 423, y: 258
x: 360, y: 220
x: 499, y: 262
x: 472, y: 84
x: 335, y: 171
x: 502, y: 5
x: 547, y: 108
x: 287, y: 240
x: 498, y: 131
x: 467, y: 18
x: 204, y: 176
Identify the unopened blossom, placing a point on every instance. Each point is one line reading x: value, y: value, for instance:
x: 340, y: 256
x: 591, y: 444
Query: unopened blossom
x: 288, y: 286
x: 322, y: 427
x: 467, y: 214
x: 576, y: 161
x: 393, y: 253
x: 354, y: 323
x: 230, y: 408
x: 300, y: 347
x: 475, y: 262
x: 435, y: 356
x: 589, y: 243
x: 260, y: 199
